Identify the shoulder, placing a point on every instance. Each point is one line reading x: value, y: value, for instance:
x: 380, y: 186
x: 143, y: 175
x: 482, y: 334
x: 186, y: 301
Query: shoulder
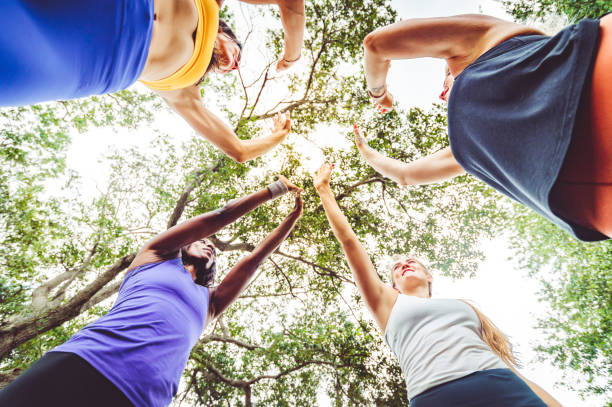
x: 480, y: 33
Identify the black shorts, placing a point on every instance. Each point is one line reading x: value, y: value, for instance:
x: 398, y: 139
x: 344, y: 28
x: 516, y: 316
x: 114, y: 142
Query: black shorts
x: 62, y: 379
x: 486, y: 388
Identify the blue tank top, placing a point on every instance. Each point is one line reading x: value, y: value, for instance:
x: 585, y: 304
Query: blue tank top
x: 65, y: 49
x: 142, y: 345
x: 511, y: 114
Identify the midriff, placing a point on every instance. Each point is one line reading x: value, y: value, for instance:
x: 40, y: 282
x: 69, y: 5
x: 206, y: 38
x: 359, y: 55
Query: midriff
x: 172, y: 41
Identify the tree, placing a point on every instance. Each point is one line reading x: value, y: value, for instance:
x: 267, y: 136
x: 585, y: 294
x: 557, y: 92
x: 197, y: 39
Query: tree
x: 578, y: 326
x: 298, y: 329
x: 524, y: 10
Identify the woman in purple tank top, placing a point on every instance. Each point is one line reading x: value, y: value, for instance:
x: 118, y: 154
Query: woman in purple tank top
x: 135, y: 354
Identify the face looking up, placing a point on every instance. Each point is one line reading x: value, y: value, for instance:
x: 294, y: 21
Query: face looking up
x: 447, y: 86
x: 228, y: 54
x: 409, y: 274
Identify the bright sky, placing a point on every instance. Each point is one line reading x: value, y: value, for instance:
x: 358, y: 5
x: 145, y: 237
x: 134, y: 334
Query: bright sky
x: 501, y: 291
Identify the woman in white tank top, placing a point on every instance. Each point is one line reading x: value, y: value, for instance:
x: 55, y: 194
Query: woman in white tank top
x: 450, y: 354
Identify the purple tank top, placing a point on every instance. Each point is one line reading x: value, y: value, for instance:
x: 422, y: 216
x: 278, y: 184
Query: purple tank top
x: 143, y: 343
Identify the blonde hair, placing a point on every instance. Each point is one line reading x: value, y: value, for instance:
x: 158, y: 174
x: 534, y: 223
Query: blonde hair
x: 489, y: 333
x: 497, y: 341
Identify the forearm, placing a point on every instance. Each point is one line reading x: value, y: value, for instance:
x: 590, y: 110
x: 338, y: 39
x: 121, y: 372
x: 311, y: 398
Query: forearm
x: 272, y: 241
x: 388, y: 167
x: 376, y: 67
x: 239, y: 276
x: 294, y: 21
x: 254, y: 148
x: 337, y: 221
x: 206, y: 224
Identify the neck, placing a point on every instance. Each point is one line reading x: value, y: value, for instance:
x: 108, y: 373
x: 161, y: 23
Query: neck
x: 191, y: 269
x: 420, y: 291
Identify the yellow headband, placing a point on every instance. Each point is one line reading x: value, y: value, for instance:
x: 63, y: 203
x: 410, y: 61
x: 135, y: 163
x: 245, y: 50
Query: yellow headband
x: 206, y: 34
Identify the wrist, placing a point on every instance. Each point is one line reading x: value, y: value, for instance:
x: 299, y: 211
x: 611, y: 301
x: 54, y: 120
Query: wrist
x: 323, y: 189
x: 277, y: 189
x: 377, y: 92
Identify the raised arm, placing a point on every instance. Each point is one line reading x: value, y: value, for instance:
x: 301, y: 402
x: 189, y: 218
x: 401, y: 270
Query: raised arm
x: 167, y: 244
x: 238, y: 277
x: 459, y: 40
x: 293, y: 18
x: 436, y: 167
x: 188, y: 103
x: 378, y: 296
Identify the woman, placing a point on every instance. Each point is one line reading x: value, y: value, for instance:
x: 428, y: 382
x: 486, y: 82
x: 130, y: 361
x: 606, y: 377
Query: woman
x: 64, y: 49
x: 449, y: 353
x: 135, y: 354
x: 528, y: 114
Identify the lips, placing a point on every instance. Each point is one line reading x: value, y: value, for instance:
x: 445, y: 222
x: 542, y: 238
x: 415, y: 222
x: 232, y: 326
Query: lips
x: 406, y: 269
x: 444, y: 93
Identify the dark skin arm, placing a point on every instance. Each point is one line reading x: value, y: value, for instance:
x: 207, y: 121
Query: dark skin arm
x: 167, y: 244
x: 240, y: 275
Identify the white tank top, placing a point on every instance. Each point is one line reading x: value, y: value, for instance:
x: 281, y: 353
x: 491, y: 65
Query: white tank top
x: 436, y: 341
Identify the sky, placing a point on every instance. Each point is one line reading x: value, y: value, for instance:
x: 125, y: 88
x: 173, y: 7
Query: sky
x: 504, y: 293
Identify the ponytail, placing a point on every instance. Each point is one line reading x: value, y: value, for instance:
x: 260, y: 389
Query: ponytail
x: 497, y: 341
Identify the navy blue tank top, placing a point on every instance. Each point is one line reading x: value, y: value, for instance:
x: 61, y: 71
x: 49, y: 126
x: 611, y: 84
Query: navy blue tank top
x: 511, y: 114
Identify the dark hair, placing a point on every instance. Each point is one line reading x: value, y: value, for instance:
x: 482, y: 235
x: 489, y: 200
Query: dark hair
x: 214, y: 59
x: 205, y: 276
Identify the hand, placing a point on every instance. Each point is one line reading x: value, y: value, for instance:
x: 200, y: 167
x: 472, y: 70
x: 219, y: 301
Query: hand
x: 360, y: 140
x: 384, y: 102
x: 294, y: 189
x: 281, y: 124
x: 323, y: 175
x: 299, y: 204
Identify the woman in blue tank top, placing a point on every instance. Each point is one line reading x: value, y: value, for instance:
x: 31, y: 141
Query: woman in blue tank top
x: 449, y: 353
x: 135, y: 354
x: 64, y: 49
x: 528, y: 114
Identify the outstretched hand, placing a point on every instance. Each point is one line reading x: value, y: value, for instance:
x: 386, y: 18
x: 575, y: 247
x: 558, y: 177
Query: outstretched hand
x: 323, y: 176
x: 294, y: 189
x: 299, y: 204
x: 383, y: 103
x: 281, y: 123
x: 360, y: 140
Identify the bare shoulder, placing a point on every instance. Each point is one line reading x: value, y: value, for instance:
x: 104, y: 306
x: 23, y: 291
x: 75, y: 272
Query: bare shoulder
x: 479, y: 33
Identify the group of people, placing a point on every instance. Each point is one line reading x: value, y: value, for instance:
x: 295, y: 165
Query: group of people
x: 528, y: 114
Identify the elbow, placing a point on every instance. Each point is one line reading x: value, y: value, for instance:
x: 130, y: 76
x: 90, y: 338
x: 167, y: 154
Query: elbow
x: 238, y: 155
x: 371, y: 42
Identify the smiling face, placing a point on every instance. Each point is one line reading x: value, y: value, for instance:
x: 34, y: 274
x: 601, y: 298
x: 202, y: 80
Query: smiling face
x: 410, y: 275
x: 227, y: 52
x: 449, y: 80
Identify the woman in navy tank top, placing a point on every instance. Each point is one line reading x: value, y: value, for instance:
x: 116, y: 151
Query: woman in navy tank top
x: 528, y: 114
x: 450, y: 354
x: 135, y: 354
